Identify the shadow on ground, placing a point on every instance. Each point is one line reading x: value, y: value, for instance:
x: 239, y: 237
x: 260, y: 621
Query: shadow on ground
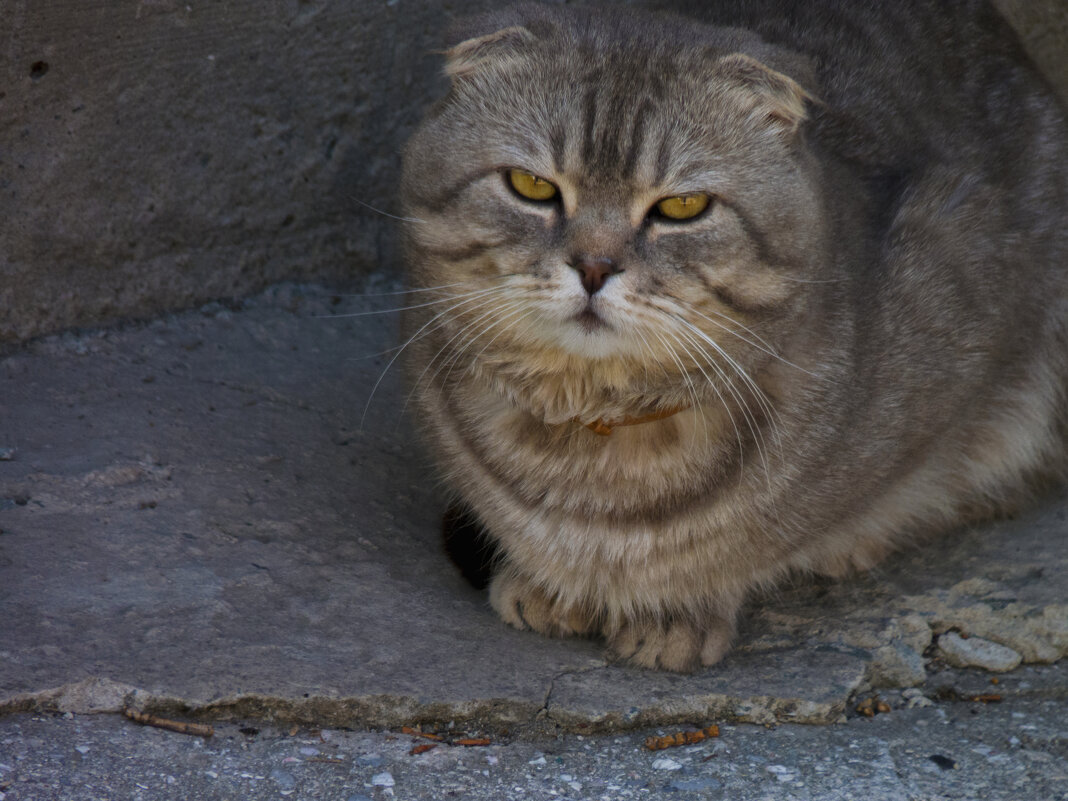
x: 197, y: 516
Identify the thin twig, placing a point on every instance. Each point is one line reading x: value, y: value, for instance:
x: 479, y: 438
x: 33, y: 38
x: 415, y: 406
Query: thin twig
x: 144, y: 718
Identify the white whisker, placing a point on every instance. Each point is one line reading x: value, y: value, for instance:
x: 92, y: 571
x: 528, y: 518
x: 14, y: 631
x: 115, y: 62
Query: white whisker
x: 712, y: 385
x: 474, y: 361
x: 406, y: 291
x: 471, y: 296
x: 766, y: 407
x: 446, y: 299
x: 763, y: 346
x: 385, y: 213
x: 496, y: 314
x: 747, y: 414
x: 685, y: 376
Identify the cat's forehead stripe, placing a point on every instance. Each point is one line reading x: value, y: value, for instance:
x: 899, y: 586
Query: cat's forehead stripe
x: 610, y: 132
x: 589, y: 122
x: 637, y: 136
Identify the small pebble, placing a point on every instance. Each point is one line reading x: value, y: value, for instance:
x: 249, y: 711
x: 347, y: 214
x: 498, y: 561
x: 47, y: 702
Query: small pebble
x: 915, y: 698
x: 537, y: 761
x: 692, y: 785
x: 383, y: 779
x: 284, y: 779
x: 977, y: 652
x: 666, y: 764
x: 82, y: 749
x: 780, y: 772
x: 371, y: 760
x: 309, y: 751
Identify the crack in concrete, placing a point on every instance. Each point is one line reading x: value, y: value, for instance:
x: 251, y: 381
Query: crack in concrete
x: 545, y: 710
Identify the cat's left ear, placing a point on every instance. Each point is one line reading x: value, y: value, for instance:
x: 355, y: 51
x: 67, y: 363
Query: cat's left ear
x: 778, y: 97
x: 473, y: 54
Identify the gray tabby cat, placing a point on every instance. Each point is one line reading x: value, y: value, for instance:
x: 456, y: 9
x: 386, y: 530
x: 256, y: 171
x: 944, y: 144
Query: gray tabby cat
x: 702, y: 305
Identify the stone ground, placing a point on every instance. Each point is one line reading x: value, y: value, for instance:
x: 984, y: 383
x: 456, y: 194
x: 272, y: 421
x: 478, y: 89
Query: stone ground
x: 199, y: 519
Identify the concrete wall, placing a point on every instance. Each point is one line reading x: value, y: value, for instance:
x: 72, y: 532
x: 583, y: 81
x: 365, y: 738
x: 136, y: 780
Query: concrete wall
x: 155, y: 154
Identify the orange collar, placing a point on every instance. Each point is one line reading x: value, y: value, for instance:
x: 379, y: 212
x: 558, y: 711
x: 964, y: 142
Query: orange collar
x: 604, y: 427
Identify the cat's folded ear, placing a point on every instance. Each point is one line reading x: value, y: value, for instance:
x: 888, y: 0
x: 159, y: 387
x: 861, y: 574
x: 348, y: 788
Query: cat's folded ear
x: 495, y: 38
x: 770, y: 94
x: 473, y: 54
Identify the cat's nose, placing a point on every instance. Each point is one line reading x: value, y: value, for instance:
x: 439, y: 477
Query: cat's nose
x: 594, y: 271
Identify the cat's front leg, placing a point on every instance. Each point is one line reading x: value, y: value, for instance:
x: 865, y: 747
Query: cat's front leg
x: 523, y: 604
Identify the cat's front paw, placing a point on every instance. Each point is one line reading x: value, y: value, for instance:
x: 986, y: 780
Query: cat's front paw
x: 524, y: 605
x: 678, y: 645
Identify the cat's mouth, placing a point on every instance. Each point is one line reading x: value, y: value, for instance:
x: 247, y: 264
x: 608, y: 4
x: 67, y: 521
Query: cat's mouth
x: 590, y: 321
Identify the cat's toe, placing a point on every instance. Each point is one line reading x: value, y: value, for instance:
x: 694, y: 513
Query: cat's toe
x: 717, y: 642
x: 680, y: 646
x: 524, y: 605
x: 673, y: 646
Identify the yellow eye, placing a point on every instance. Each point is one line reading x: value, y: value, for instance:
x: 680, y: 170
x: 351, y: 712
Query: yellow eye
x: 683, y: 207
x: 531, y: 186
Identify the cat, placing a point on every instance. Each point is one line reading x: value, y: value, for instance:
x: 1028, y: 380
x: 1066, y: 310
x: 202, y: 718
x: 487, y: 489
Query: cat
x: 704, y: 304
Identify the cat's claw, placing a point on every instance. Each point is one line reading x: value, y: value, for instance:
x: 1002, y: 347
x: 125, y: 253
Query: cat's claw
x: 524, y: 605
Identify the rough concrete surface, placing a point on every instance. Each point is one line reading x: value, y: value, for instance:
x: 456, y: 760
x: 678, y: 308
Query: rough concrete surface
x: 198, y: 519
x: 155, y: 154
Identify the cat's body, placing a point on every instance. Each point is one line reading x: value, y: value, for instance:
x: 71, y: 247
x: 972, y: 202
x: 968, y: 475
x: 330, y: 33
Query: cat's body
x: 861, y: 339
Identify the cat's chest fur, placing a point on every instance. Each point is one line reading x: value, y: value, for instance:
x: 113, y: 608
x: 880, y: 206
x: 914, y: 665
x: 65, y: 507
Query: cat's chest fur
x: 700, y: 307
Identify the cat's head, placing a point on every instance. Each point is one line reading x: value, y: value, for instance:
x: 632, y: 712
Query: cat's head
x: 612, y: 188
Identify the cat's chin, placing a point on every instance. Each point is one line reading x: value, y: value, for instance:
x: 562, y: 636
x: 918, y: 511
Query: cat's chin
x: 590, y: 321
x: 588, y: 335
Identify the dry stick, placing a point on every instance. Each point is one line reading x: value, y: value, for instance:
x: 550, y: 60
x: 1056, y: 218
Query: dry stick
x: 680, y: 738
x: 417, y: 733
x: 196, y: 729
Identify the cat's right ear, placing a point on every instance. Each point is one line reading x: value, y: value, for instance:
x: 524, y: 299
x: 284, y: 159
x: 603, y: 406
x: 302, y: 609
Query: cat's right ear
x: 474, y: 54
x: 769, y: 93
